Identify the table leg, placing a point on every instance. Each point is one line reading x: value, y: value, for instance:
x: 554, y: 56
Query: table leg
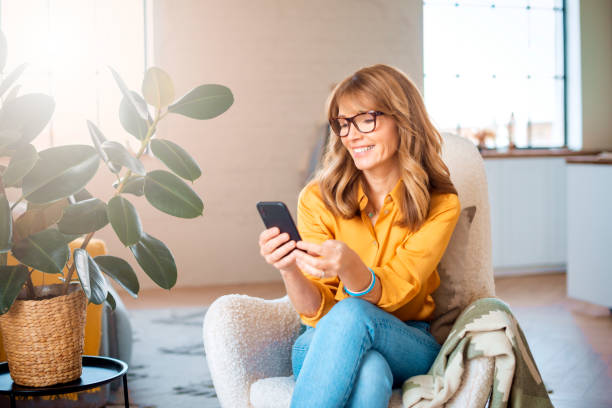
x: 13, y: 401
x: 126, y: 398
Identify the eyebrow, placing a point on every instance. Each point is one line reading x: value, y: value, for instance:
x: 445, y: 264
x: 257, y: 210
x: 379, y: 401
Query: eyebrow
x: 358, y: 113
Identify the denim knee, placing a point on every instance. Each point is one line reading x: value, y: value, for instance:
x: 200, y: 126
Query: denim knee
x: 346, y: 312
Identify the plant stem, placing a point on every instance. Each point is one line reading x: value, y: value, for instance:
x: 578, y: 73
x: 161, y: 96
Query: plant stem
x: 73, y: 266
x: 30, y: 286
x: 143, y: 146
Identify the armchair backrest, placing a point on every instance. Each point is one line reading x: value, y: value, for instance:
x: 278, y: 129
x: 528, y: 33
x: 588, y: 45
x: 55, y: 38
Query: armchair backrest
x: 466, y: 271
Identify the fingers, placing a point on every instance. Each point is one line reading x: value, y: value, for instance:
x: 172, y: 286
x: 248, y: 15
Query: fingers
x: 280, y: 253
x: 285, y: 263
x: 272, y: 244
x: 309, y: 269
x: 267, y: 234
x: 311, y: 248
x: 317, y: 263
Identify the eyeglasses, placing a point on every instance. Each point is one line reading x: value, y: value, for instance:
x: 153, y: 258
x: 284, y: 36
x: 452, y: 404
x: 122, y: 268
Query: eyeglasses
x: 364, y: 122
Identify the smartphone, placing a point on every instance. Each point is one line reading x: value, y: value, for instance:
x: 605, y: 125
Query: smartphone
x: 276, y: 214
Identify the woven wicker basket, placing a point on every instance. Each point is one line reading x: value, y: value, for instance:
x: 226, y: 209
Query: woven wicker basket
x: 43, y: 339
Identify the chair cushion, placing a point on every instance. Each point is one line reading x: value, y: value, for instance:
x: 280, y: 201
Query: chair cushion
x: 275, y: 392
x: 457, y: 273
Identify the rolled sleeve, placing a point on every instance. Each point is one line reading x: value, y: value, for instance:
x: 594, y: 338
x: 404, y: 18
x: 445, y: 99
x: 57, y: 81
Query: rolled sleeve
x: 414, y: 264
x: 327, y: 302
x: 313, y: 229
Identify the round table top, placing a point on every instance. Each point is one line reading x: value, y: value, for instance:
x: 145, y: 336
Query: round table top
x: 96, y: 371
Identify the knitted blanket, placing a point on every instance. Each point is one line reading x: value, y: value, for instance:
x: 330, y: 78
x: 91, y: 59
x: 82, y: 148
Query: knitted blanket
x: 486, y: 328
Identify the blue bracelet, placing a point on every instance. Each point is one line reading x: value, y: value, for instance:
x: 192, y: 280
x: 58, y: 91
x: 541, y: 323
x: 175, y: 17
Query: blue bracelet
x: 365, y: 291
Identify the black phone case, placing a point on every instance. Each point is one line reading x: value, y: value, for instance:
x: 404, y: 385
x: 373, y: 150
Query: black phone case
x: 276, y: 214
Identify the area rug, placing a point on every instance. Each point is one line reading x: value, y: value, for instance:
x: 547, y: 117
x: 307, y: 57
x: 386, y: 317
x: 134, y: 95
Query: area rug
x: 168, y: 367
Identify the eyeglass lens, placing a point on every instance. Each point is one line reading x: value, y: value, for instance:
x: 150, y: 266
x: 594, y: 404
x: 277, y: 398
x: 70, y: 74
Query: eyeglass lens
x: 365, y: 123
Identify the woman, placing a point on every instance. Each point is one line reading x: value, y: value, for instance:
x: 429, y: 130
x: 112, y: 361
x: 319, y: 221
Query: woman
x: 374, y: 223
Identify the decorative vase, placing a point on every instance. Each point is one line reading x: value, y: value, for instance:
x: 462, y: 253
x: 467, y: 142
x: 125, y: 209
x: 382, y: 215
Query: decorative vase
x: 43, y: 339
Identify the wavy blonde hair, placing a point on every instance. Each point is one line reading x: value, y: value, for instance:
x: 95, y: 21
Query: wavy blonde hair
x: 422, y: 170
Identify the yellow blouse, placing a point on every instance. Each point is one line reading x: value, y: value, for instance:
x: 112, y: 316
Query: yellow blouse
x: 404, y: 262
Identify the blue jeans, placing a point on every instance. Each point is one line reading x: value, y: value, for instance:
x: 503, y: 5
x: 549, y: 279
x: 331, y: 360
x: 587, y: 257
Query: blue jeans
x: 356, y: 355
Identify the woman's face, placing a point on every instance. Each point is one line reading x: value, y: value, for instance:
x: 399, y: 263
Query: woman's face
x: 374, y: 151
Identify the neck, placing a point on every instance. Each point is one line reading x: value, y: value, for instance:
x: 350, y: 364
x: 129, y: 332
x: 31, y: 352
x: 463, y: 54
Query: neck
x: 380, y: 183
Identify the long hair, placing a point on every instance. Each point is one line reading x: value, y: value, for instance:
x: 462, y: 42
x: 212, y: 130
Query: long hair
x: 422, y: 170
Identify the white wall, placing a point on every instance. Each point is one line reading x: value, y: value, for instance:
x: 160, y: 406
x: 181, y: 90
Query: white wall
x: 280, y: 59
x: 589, y: 74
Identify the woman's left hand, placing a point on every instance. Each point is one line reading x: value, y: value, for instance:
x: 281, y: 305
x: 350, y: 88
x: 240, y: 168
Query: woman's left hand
x: 327, y: 260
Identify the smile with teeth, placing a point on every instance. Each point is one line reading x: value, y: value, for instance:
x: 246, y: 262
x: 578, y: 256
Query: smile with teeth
x: 363, y: 149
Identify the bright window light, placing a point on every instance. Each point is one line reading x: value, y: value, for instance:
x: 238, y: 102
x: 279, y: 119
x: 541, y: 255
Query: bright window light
x: 68, y: 46
x: 495, y: 68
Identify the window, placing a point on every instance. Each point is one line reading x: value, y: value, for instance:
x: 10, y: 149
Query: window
x: 495, y: 69
x: 69, y: 45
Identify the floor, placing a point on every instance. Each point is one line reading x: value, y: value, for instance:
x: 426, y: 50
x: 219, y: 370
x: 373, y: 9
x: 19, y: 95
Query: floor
x: 571, y: 340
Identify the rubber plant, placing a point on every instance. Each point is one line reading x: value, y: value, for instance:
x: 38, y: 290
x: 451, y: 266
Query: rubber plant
x: 56, y: 207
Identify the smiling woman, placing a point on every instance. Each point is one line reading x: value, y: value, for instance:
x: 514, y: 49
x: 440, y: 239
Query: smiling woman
x: 374, y: 223
x: 68, y: 46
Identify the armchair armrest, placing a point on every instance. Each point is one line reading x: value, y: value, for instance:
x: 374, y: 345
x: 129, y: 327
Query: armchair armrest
x: 246, y: 339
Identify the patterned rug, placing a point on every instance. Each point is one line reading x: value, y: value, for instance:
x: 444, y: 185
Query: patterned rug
x: 168, y: 367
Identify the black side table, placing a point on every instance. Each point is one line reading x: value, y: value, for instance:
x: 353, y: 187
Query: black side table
x: 96, y: 371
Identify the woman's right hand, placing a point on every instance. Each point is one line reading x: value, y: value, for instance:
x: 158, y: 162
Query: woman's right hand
x: 277, y: 250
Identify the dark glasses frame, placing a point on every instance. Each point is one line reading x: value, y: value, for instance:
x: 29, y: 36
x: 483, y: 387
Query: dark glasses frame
x: 351, y: 121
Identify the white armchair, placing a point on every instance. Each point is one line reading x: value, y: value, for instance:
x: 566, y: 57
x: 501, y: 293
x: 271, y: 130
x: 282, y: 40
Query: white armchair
x: 248, y: 340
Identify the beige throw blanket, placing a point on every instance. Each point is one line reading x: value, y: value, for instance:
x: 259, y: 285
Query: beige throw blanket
x: 486, y: 328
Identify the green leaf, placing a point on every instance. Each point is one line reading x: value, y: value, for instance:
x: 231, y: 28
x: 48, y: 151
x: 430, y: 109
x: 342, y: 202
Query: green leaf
x: 176, y: 158
x: 60, y: 172
x: 128, y: 95
x: 120, y: 271
x: 9, y: 137
x: 38, y: 217
x: 133, y: 185
x: 12, y: 279
x: 93, y: 282
x: 157, y: 88
x: 111, y: 301
x: 6, y: 225
x: 131, y: 120
x: 170, y: 194
x: 45, y: 251
x: 98, y: 138
x: 11, y: 78
x: 119, y: 155
x: 204, y: 102
x: 27, y: 114
x: 83, y: 217
x: 21, y: 163
x: 156, y: 260
x: 3, y: 51
x: 124, y: 219
x: 12, y: 93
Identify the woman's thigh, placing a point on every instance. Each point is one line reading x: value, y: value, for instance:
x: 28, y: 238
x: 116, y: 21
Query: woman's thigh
x: 408, y: 347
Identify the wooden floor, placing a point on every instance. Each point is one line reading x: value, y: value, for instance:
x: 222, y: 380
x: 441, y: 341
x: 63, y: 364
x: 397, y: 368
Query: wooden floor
x: 571, y: 340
